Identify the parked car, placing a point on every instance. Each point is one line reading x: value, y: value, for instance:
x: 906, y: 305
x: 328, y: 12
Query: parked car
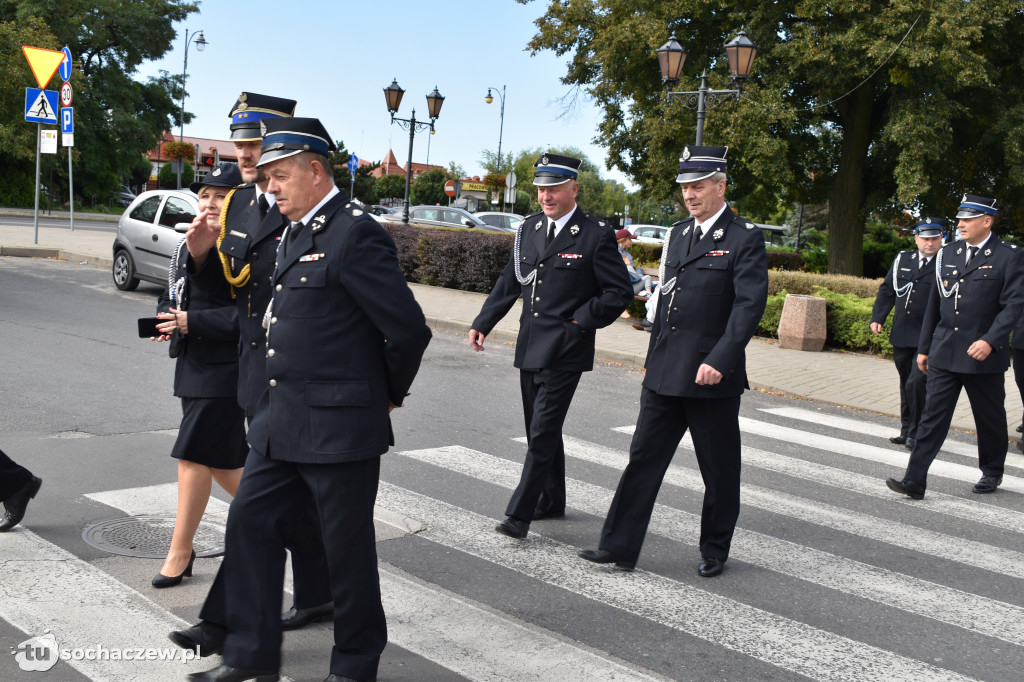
x: 123, y: 197
x: 377, y: 209
x: 444, y: 216
x: 147, y: 233
x: 509, y: 221
x: 649, y: 234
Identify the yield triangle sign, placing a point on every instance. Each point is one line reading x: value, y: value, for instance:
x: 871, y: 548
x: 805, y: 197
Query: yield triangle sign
x: 44, y: 63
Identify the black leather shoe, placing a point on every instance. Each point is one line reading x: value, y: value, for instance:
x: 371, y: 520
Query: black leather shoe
x: 539, y: 513
x: 987, y: 484
x: 914, y: 491
x: 1020, y: 428
x: 898, y: 440
x: 643, y: 325
x: 513, y: 527
x: 16, y: 504
x: 709, y: 567
x: 339, y: 678
x: 909, y: 445
x: 600, y: 556
x: 202, y: 638
x: 161, y: 580
x: 226, y: 673
x: 294, y: 618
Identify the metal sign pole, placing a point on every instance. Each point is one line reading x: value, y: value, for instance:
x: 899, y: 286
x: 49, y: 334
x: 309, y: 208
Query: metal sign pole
x: 35, y: 220
x: 71, y: 191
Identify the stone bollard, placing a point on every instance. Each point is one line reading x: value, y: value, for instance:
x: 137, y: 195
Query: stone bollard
x: 802, y: 324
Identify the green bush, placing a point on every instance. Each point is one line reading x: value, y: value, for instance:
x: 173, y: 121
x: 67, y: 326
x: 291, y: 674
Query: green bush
x: 456, y: 258
x: 168, y: 179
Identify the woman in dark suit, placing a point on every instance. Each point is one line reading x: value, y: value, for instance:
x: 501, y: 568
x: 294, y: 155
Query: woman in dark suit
x: 201, y: 324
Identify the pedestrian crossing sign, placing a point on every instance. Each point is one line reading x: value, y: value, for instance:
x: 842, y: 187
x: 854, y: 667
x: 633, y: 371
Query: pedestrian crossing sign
x: 41, y: 105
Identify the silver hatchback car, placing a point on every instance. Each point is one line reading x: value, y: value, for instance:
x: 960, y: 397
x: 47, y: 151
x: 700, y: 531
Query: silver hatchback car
x: 147, y: 234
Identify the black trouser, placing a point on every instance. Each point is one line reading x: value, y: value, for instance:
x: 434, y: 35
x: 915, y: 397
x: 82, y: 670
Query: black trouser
x: 547, y: 395
x: 272, y: 496
x: 986, y: 393
x: 714, y: 427
x: 912, y: 389
x: 311, y: 585
x: 13, y: 477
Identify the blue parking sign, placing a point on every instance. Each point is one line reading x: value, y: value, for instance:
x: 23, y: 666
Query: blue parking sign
x: 67, y: 120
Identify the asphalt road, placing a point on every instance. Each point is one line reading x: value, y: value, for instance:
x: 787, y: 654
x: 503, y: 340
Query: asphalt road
x: 832, y: 577
x: 83, y: 221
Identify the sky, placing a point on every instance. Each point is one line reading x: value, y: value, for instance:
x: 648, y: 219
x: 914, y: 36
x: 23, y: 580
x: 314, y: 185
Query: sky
x: 336, y: 58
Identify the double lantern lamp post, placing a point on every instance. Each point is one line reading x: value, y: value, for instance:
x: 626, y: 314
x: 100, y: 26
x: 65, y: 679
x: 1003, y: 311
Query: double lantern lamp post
x: 393, y: 96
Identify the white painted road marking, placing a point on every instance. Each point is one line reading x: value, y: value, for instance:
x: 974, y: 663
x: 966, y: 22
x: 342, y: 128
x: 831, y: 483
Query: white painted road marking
x: 724, y: 622
x: 922, y: 598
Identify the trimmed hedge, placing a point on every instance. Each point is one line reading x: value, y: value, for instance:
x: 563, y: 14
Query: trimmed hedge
x: 456, y: 258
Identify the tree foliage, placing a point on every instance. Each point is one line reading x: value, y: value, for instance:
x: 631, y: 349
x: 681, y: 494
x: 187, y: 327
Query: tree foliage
x: 876, y: 106
x: 118, y: 119
x: 391, y: 187
x: 364, y: 188
x: 428, y: 188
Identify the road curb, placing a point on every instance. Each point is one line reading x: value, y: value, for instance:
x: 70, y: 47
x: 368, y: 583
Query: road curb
x: 51, y: 252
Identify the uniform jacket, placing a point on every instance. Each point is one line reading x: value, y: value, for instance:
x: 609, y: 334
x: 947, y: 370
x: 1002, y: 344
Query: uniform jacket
x: 910, y: 307
x: 711, y: 312
x: 253, y: 242
x: 338, y: 349
x: 987, y: 304
x: 207, y: 357
x: 580, y: 276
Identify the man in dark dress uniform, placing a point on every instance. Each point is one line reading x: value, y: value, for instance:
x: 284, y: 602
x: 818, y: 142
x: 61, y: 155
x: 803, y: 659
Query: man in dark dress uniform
x: 976, y: 301
x: 251, y: 228
x: 572, y: 280
x: 907, y: 286
x: 339, y: 359
x: 17, y: 487
x: 714, y: 287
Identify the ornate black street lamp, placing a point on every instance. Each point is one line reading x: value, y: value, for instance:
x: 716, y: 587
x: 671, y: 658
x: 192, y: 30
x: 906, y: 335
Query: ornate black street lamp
x: 393, y: 96
x: 671, y: 55
x: 200, y: 41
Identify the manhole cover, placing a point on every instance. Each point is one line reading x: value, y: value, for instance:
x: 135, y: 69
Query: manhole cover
x: 149, y: 537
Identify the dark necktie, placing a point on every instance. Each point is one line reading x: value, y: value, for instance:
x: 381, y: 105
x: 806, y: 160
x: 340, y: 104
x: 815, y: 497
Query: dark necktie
x: 924, y: 263
x: 293, y: 234
x: 551, y: 233
x: 264, y: 206
x: 972, y: 251
x: 696, y: 236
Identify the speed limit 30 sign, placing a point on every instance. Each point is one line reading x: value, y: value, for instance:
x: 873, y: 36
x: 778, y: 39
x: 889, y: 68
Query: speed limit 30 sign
x: 65, y: 94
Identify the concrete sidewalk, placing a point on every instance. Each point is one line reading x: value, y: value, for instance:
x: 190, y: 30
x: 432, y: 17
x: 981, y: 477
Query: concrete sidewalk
x: 847, y: 379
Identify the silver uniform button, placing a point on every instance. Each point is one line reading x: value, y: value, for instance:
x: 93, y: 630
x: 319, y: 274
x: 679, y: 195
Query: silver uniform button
x: 270, y: 353
x: 273, y: 383
x: 541, y: 265
x: 537, y: 298
x: 273, y: 320
x: 278, y: 287
x: 540, y: 281
x: 536, y: 314
x: 303, y: 280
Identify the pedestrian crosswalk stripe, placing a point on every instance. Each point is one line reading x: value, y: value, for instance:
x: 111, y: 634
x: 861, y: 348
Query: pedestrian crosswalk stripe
x: 435, y: 624
x: 872, y: 429
x: 46, y: 588
x: 464, y: 638
x: 762, y: 635
x: 920, y: 597
x: 873, y: 486
x: 972, y: 553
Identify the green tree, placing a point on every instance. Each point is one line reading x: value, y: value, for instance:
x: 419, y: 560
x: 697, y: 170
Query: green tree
x: 428, y: 188
x: 364, y: 188
x: 168, y: 179
x: 17, y: 137
x: 117, y: 117
x: 391, y: 187
x: 876, y: 106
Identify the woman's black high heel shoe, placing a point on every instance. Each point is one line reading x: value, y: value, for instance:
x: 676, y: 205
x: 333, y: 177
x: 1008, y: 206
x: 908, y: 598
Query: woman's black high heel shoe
x: 162, y: 580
